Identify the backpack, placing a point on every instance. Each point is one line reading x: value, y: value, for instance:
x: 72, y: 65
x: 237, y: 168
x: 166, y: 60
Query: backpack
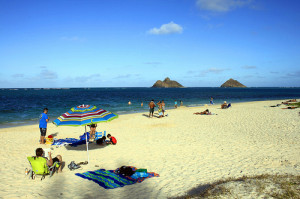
x: 126, y: 171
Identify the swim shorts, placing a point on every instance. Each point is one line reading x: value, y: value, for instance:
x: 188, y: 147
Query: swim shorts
x: 152, y: 110
x: 43, y: 131
x: 55, y: 160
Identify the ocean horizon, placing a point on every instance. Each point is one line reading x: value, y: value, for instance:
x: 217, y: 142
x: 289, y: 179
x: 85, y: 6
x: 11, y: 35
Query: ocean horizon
x: 22, y: 106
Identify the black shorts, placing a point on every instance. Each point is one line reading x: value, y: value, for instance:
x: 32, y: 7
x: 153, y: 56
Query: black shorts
x: 43, y: 131
x: 55, y: 160
x: 151, y: 110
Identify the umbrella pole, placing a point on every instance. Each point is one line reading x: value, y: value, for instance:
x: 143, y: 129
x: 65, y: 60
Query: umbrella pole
x: 87, y: 145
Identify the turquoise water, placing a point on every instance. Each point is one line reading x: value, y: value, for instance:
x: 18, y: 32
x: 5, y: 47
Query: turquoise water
x: 23, y: 106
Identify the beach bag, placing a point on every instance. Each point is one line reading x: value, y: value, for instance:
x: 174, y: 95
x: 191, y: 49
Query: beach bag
x: 126, y: 171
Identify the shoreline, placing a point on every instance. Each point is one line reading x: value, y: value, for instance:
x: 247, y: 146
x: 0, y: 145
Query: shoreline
x: 31, y: 122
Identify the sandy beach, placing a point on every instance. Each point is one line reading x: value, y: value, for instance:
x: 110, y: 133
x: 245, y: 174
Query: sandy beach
x: 186, y: 150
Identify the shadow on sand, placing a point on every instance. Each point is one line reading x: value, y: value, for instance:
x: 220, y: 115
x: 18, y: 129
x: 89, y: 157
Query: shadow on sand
x: 82, y: 147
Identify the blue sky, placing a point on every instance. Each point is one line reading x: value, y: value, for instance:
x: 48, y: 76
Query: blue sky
x: 133, y: 43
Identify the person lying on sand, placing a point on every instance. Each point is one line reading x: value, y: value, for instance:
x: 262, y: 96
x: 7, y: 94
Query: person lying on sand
x: 287, y: 102
x: 206, y: 112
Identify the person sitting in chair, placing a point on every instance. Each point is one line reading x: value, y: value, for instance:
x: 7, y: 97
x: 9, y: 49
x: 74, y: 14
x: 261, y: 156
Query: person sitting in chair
x: 39, y: 154
x: 92, y: 132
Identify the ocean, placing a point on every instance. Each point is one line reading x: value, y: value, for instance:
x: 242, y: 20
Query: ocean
x: 23, y: 106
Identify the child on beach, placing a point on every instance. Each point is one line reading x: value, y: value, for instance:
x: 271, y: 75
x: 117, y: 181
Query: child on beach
x: 43, y: 125
x: 112, y: 139
x: 175, y: 104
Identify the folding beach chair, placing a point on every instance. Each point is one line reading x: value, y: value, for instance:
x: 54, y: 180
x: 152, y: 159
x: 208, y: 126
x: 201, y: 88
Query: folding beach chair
x: 99, y: 135
x: 39, y: 167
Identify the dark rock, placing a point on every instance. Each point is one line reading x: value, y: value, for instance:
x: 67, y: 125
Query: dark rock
x: 167, y: 83
x: 232, y: 83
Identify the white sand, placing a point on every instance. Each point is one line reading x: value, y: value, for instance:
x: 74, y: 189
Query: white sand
x: 185, y: 149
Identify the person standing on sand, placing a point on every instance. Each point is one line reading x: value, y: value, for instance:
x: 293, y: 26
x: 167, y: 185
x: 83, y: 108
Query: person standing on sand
x: 43, y: 125
x: 175, y: 105
x: 151, y: 107
x: 163, y: 105
x: 159, y: 109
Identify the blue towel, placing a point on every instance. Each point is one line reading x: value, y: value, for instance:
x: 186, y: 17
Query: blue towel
x: 65, y: 141
x: 109, y: 179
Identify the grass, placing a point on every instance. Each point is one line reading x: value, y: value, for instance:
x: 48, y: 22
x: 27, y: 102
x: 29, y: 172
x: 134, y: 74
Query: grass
x: 266, y: 186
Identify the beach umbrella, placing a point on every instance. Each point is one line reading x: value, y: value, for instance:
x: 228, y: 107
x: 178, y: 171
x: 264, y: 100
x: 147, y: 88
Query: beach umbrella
x: 84, y: 115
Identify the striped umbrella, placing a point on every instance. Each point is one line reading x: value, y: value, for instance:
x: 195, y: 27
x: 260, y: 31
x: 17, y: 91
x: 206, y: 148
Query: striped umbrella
x: 84, y: 115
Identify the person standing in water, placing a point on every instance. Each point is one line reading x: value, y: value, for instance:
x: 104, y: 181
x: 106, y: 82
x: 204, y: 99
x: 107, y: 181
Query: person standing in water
x: 211, y: 100
x: 142, y: 104
x: 43, y: 125
x: 181, y: 102
x: 129, y: 102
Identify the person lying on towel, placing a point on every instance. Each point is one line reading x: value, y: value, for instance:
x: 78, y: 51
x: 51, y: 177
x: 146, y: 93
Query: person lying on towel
x: 206, y: 112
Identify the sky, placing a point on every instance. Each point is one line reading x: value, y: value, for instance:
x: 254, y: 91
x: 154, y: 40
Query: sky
x: 133, y: 43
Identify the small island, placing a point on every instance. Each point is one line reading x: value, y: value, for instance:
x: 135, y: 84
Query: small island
x: 167, y: 83
x: 231, y: 83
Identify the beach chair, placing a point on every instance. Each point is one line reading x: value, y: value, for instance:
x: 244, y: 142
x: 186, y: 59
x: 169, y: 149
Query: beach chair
x: 39, y: 167
x: 99, y: 135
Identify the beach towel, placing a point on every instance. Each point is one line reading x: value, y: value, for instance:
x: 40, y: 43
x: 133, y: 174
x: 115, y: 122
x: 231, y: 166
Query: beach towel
x: 66, y: 141
x: 109, y: 179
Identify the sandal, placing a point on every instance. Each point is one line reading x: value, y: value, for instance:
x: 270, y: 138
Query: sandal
x: 83, y: 163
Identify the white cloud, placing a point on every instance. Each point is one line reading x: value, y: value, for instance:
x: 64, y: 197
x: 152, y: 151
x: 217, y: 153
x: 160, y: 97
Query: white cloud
x: 18, y: 75
x: 47, y: 74
x: 249, y: 67
x: 215, y: 70
x: 170, y: 28
x: 221, y: 5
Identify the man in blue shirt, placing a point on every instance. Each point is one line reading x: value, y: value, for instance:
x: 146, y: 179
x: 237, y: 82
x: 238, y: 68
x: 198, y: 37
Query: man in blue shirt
x: 43, y: 125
